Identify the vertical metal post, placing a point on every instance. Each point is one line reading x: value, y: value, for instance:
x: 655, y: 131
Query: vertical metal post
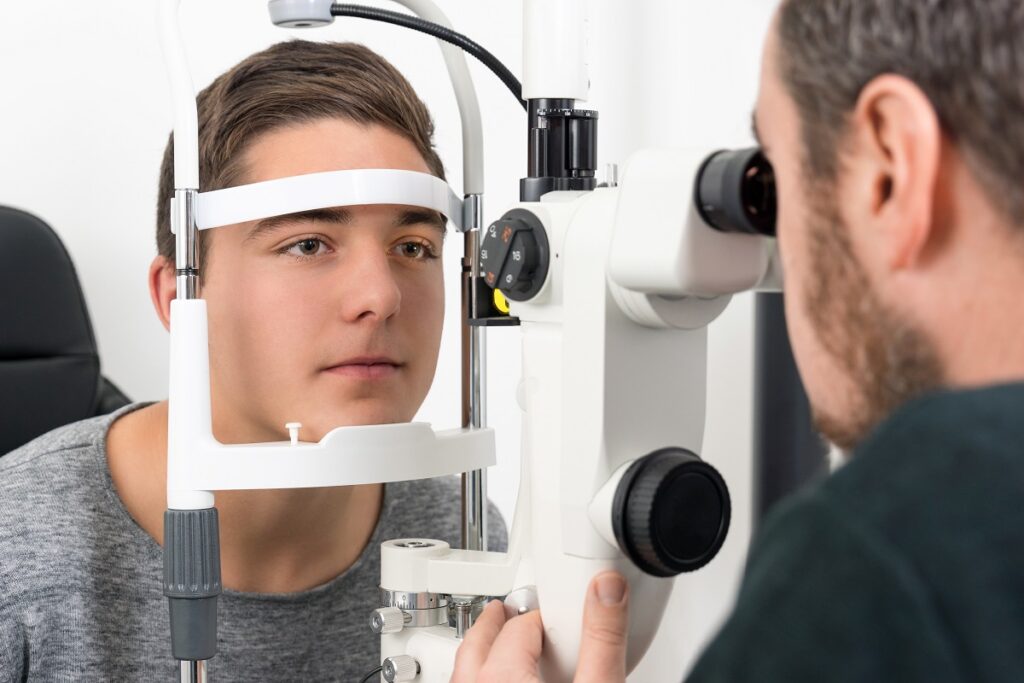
x: 186, y: 257
x: 193, y: 672
x: 463, y: 614
x: 191, y: 537
x: 474, y: 369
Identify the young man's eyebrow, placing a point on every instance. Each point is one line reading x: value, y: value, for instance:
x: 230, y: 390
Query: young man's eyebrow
x: 343, y: 216
x: 269, y: 225
x: 421, y: 216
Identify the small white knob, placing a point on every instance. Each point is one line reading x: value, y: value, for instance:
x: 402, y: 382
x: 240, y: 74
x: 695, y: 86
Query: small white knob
x: 387, y: 620
x: 400, y: 668
x: 611, y: 175
x: 293, y: 431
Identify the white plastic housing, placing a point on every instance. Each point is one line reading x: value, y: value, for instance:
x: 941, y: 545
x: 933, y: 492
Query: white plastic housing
x: 601, y: 507
x: 432, y: 647
x: 555, y: 49
x: 663, y: 247
x: 598, y: 391
x: 300, y: 13
x: 591, y: 376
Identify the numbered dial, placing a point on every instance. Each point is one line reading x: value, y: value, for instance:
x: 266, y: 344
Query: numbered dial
x: 514, y: 255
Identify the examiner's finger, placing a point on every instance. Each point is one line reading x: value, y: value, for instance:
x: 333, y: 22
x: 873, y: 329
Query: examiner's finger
x: 516, y: 651
x: 605, y: 626
x: 476, y: 645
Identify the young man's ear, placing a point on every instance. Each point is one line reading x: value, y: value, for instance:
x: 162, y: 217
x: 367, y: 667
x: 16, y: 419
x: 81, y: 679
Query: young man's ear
x: 163, y: 287
x: 894, y: 165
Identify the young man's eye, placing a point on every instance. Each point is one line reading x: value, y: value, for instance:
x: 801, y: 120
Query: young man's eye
x: 306, y: 248
x: 416, y: 250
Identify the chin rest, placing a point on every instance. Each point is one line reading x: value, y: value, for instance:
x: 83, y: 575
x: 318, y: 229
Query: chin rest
x: 49, y: 365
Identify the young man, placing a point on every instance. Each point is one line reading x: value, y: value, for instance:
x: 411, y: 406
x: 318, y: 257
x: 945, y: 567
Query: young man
x: 896, y: 128
x: 333, y: 316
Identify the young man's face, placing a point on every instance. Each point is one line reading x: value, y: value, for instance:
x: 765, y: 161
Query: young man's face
x: 331, y: 318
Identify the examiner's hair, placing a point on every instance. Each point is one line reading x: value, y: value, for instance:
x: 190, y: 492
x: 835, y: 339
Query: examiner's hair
x: 967, y: 56
x: 293, y: 82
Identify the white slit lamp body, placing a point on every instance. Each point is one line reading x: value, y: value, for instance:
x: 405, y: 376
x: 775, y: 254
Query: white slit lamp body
x: 610, y: 373
x: 614, y: 350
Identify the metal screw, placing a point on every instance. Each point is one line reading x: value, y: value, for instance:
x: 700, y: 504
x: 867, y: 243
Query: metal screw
x: 400, y: 668
x: 388, y: 620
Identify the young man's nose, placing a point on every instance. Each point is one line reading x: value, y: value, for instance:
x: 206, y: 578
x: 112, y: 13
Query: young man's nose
x: 368, y: 288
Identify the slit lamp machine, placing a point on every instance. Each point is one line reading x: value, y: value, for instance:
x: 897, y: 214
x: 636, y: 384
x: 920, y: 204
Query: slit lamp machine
x: 613, y: 286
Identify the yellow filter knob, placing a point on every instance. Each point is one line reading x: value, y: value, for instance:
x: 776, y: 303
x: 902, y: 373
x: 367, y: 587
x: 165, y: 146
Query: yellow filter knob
x: 500, y: 302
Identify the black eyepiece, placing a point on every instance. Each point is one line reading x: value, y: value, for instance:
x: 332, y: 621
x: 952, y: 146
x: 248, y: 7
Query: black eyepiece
x: 736, y: 192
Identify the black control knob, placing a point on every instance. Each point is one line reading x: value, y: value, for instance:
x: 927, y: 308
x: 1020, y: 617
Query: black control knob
x: 514, y: 255
x: 671, y: 512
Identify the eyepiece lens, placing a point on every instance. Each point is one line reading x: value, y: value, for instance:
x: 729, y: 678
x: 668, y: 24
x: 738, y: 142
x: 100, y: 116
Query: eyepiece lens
x: 758, y: 193
x: 736, y: 192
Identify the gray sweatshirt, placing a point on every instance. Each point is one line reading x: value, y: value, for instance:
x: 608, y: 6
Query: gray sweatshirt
x: 80, y: 581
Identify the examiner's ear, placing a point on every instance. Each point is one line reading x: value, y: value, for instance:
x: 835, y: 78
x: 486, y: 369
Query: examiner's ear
x: 163, y: 287
x: 893, y: 165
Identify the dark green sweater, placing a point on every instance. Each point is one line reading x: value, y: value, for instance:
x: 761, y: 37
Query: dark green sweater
x: 906, y: 565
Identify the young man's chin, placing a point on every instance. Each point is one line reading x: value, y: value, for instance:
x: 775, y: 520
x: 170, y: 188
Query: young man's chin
x: 364, y: 412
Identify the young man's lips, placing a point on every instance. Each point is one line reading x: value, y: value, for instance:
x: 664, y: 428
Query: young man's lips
x: 366, y: 368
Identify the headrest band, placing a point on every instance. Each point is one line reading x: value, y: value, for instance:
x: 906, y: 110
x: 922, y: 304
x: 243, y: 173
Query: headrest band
x: 311, y: 191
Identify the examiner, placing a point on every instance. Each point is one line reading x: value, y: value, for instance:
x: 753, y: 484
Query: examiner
x: 896, y: 129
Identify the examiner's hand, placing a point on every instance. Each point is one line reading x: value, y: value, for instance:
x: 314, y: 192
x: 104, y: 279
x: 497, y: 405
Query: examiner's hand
x: 500, y: 651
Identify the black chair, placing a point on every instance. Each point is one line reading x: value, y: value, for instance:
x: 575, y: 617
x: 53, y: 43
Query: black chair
x: 49, y: 366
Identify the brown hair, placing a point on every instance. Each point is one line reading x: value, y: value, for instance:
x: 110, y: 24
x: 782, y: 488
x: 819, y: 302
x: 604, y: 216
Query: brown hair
x: 967, y: 56
x: 293, y: 82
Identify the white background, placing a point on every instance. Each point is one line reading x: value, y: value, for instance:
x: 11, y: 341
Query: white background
x: 85, y: 116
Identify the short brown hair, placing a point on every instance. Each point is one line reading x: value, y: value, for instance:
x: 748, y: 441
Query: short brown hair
x: 293, y: 82
x: 967, y: 56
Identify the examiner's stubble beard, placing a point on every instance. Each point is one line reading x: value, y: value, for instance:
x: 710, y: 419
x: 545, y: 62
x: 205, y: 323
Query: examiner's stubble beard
x: 888, y: 360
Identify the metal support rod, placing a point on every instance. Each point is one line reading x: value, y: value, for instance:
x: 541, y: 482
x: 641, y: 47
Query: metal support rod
x: 186, y: 257
x: 193, y: 672
x: 474, y: 368
x: 463, y: 617
x: 186, y: 263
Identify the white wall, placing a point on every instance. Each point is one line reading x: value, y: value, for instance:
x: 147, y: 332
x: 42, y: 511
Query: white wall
x: 85, y: 116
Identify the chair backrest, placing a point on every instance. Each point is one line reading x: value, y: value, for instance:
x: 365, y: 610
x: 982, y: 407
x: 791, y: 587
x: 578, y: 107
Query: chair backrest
x: 49, y: 365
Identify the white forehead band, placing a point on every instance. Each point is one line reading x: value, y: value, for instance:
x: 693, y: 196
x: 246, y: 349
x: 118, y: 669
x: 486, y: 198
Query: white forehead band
x: 324, y: 190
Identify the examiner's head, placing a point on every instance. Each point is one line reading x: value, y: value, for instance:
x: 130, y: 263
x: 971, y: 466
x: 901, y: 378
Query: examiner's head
x: 334, y: 316
x: 896, y: 129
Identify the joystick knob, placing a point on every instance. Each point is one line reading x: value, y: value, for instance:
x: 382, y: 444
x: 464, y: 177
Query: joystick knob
x: 670, y: 513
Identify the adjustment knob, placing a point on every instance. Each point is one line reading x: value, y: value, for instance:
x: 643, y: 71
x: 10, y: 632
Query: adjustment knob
x: 514, y: 255
x: 671, y: 512
x: 387, y: 620
x: 399, y: 668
